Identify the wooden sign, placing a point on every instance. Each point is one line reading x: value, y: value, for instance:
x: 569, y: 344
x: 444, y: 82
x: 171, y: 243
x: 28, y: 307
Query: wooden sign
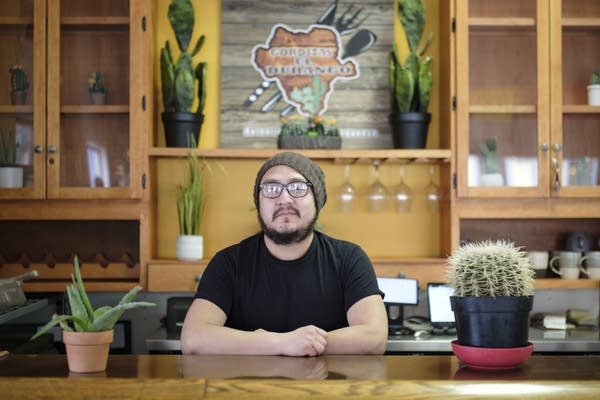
x: 355, y: 38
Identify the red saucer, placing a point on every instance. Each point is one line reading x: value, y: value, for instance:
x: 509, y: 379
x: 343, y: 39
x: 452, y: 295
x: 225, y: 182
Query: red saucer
x: 492, y: 358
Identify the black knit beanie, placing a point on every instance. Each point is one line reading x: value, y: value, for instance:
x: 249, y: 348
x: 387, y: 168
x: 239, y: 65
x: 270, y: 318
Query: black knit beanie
x: 308, y: 168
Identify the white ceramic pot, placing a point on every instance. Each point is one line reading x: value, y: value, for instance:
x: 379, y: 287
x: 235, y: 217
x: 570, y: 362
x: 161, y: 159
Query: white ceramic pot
x: 189, y: 247
x: 495, y: 179
x: 593, y: 95
x: 11, y: 177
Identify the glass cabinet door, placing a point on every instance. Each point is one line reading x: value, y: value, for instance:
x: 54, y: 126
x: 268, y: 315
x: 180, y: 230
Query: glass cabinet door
x: 22, y: 98
x: 91, y: 107
x: 502, y: 98
x: 575, y: 148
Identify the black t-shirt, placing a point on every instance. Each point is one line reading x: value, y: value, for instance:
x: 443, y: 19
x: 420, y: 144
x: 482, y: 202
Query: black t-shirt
x: 257, y: 290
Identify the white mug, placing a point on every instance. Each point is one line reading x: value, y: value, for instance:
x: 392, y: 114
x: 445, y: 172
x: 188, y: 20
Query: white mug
x: 539, y: 262
x: 539, y: 259
x: 568, y: 264
x: 592, y: 264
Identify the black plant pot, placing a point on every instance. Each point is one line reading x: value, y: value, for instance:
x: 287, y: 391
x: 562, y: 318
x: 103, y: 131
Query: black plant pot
x: 179, y: 126
x: 409, y: 129
x: 498, y: 322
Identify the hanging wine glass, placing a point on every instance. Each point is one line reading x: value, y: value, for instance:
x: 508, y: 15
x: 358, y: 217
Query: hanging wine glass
x: 346, y: 192
x: 402, y: 194
x: 432, y: 193
x: 377, y: 194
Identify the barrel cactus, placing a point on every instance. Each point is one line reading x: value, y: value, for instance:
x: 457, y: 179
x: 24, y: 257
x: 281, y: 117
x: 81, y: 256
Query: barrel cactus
x: 490, y: 269
x: 18, y: 79
x: 178, y: 78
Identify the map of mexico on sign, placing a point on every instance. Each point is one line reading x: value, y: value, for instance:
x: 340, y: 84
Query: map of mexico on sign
x: 305, y: 65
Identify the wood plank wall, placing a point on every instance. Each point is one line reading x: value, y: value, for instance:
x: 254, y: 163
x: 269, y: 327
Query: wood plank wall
x: 361, y: 104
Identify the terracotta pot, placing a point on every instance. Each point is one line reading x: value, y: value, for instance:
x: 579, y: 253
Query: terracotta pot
x: 87, y: 351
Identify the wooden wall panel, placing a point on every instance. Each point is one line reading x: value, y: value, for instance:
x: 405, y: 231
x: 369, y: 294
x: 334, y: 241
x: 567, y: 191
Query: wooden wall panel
x: 361, y: 106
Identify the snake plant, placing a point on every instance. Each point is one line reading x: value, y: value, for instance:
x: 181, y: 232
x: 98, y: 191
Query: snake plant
x: 410, y: 82
x: 83, y: 317
x: 178, y: 76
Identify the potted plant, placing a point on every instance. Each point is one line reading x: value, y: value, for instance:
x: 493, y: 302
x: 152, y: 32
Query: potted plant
x: 88, y: 332
x: 190, y: 206
x: 18, y: 84
x: 410, y: 81
x: 178, y: 79
x: 314, y: 132
x: 492, y: 175
x: 11, y: 174
x: 493, y: 294
x: 96, y: 88
x: 594, y: 88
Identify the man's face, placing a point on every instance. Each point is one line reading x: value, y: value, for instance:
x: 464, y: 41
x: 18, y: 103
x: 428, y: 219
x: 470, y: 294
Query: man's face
x: 286, y: 219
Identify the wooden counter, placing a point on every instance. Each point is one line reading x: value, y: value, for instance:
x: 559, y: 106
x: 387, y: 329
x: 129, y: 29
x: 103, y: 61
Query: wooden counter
x: 252, y: 377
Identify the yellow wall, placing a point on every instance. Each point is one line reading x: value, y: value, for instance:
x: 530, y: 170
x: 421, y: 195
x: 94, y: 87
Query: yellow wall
x: 229, y: 215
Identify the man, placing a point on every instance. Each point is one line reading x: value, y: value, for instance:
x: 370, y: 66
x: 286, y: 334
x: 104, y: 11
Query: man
x: 288, y: 290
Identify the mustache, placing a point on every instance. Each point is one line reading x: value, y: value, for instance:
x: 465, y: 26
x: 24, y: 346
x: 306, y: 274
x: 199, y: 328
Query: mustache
x: 285, y: 209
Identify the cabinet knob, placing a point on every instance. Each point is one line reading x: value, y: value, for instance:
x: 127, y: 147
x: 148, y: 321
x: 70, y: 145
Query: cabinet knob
x: 51, y: 149
x: 544, y: 147
x: 557, y: 148
x: 38, y: 149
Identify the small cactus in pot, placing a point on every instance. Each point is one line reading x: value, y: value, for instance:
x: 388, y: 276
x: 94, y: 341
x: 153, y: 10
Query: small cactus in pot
x: 19, y: 84
x: 96, y: 88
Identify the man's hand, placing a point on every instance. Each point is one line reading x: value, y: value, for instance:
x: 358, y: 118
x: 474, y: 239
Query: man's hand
x: 304, y: 341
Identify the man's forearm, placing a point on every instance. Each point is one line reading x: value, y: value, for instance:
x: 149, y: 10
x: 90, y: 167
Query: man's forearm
x: 214, y: 339
x: 357, y: 339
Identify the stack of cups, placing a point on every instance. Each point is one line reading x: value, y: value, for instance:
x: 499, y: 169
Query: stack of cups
x: 566, y: 264
x: 590, y: 264
x: 539, y: 260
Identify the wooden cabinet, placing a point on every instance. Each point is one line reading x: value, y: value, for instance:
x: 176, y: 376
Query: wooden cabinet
x: 521, y: 74
x: 84, y: 161
x: 521, y: 71
x: 70, y: 147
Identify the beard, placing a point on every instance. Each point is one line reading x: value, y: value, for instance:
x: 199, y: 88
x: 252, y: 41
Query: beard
x: 295, y: 236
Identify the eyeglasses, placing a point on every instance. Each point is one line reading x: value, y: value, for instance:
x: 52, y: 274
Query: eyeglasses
x: 272, y: 190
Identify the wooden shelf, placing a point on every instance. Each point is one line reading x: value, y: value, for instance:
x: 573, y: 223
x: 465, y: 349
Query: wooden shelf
x: 581, y: 22
x: 174, y: 276
x: 501, y: 22
x: 412, y: 155
x: 502, y: 109
x: 94, y: 109
x: 91, y: 21
x: 580, y: 109
x: 15, y: 21
x: 10, y: 109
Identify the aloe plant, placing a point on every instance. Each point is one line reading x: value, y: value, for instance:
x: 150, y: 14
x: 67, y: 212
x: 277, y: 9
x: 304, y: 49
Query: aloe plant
x: 491, y: 269
x: 8, y: 149
x: 410, y: 81
x: 83, y: 317
x: 191, y: 197
x: 595, y: 78
x: 178, y: 78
